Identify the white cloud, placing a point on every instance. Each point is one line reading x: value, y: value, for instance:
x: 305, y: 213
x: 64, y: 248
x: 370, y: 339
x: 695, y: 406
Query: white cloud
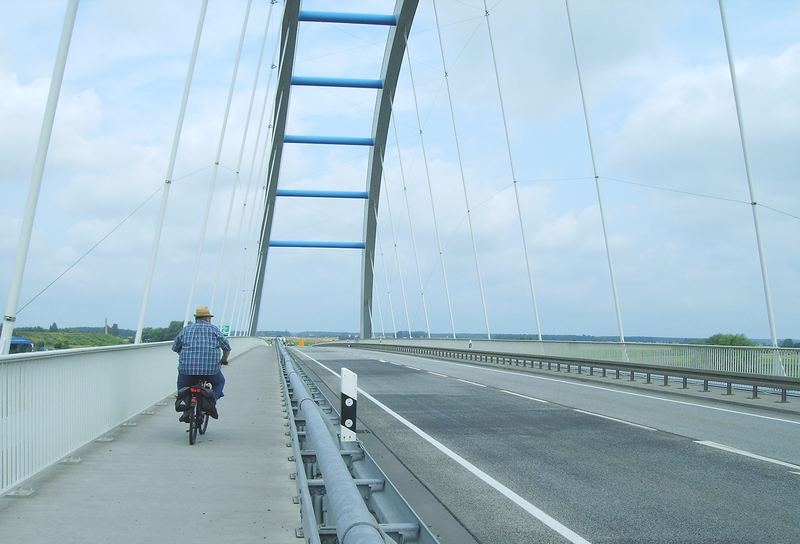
x: 662, y: 114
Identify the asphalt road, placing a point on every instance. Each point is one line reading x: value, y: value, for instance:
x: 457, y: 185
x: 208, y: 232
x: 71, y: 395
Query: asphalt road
x: 533, y: 458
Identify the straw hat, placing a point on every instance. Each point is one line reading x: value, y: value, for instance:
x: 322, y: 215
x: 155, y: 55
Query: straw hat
x: 203, y: 311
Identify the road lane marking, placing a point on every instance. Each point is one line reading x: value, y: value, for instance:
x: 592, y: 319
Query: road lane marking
x: 629, y: 393
x: 524, y: 396
x: 412, y: 367
x: 793, y: 472
x: 545, y: 518
x: 471, y: 383
x: 615, y: 419
x: 745, y: 453
x: 437, y: 374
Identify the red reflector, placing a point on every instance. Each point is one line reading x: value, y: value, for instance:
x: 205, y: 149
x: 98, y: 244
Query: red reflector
x: 196, y: 389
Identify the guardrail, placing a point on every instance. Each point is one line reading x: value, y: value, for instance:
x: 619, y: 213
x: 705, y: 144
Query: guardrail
x: 342, y: 491
x: 52, y: 403
x: 780, y: 383
x: 743, y: 359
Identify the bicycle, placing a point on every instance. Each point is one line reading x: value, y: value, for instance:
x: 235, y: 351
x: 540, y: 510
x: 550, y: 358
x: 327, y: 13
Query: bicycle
x: 198, y: 416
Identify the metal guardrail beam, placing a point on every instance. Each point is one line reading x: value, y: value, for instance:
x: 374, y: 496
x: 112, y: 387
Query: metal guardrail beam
x: 396, y: 520
x: 781, y: 383
x: 743, y: 359
x: 310, y: 528
x: 354, y: 523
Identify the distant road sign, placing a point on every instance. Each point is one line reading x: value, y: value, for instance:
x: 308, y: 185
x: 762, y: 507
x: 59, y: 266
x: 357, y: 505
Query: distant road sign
x: 226, y: 330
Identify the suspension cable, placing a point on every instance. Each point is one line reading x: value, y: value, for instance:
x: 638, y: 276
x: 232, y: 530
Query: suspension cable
x: 212, y: 184
x: 242, y: 289
x: 411, y: 228
x: 386, y: 281
x: 244, y: 135
x: 170, y: 168
x: 762, y: 258
x: 430, y: 191
x: 596, y: 176
x: 260, y: 171
x: 380, y: 311
x: 94, y: 246
x: 221, y: 259
x: 394, y: 243
x: 461, y: 170
x: 513, y: 177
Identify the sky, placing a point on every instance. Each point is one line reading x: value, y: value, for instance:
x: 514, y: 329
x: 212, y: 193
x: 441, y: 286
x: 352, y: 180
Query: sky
x: 662, y: 120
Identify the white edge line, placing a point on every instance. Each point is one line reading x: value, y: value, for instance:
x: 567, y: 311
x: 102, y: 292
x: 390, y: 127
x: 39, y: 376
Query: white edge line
x: 471, y: 383
x: 615, y: 419
x: 412, y: 367
x: 746, y: 454
x: 437, y: 374
x: 551, y: 522
x: 792, y: 472
x: 525, y: 396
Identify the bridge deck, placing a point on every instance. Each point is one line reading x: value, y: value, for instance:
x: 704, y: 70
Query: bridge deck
x: 149, y: 485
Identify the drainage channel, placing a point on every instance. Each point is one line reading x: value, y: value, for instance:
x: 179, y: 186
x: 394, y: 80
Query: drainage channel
x: 344, y: 496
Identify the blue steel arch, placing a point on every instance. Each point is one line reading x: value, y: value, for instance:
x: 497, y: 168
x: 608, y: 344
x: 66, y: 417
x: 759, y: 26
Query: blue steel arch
x: 400, y: 24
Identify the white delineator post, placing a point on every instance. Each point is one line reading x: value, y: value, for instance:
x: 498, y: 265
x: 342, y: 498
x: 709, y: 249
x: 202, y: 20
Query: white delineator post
x: 36, y: 178
x: 349, y: 401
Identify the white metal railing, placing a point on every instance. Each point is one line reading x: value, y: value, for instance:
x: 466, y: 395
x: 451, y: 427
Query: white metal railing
x: 52, y: 403
x: 751, y: 360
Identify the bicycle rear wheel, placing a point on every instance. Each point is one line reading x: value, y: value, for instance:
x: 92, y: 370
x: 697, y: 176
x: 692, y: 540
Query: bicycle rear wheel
x: 195, y: 410
x: 204, y: 425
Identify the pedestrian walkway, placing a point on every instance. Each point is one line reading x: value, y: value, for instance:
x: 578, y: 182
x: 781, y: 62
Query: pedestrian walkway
x: 149, y: 485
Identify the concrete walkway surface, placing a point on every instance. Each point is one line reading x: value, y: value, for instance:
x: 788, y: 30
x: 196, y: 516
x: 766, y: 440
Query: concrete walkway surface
x: 149, y: 485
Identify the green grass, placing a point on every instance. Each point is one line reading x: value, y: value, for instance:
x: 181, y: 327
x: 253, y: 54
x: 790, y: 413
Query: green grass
x: 66, y: 339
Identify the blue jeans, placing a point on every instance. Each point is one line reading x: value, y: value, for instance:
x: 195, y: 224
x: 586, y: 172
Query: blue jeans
x: 217, y: 381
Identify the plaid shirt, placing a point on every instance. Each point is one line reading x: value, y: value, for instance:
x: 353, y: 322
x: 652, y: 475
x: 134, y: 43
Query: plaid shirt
x: 199, y: 347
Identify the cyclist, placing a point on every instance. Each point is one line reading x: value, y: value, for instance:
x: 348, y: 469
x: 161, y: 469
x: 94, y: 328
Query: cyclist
x: 198, y: 345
